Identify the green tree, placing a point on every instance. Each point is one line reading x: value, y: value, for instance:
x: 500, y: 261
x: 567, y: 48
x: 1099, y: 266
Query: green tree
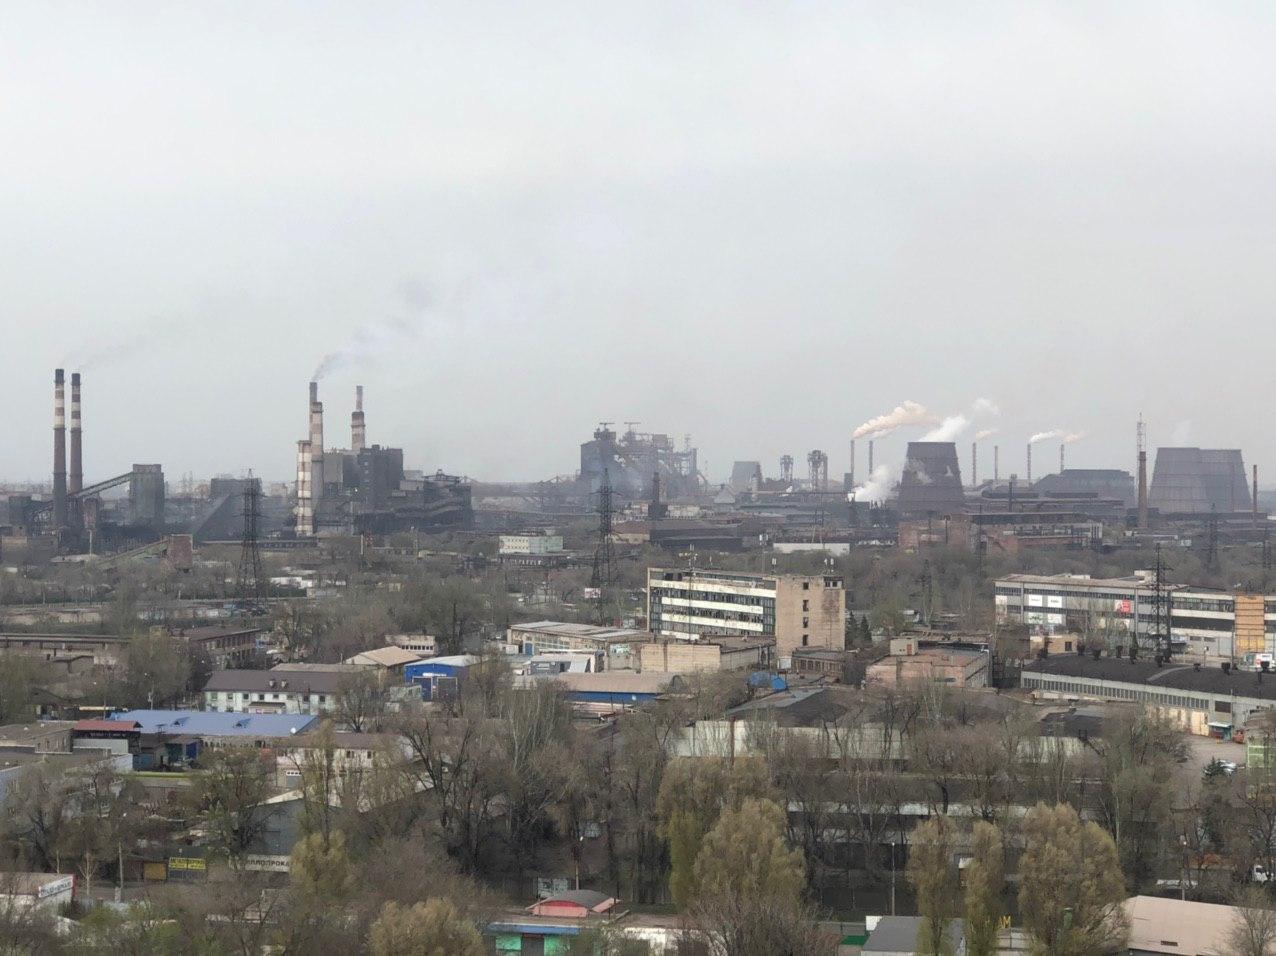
x: 933, y: 876
x: 320, y: 866
x: 1071, y: 889
x: 746, y: 854
x: 985, y: 878
x: 692, y: 795
x: 432, y: 928
x: 749, y: 885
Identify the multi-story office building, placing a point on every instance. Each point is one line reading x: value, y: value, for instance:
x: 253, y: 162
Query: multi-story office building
x: 798, y: 610
x: 1201, y: 621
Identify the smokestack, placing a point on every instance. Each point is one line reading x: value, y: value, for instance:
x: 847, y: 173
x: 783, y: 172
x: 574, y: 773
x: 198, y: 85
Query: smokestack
x: 1255, y: 484
x: 304, y: 512
x: 996, y: 463
x: 1141, y: 444
x: 1061, y: 447
x: 75, y: 481
x: 974, y: 464
x: 1028, y: 479
x: 852, y: 471
x: 358, y: 430
x: 59, y: 449
x: 870, y: 458
x: 316, y: 442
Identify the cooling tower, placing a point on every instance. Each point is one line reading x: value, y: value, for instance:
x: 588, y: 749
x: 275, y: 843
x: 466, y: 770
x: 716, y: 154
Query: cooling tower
x: 1197, y: 480
x: 931, y: 482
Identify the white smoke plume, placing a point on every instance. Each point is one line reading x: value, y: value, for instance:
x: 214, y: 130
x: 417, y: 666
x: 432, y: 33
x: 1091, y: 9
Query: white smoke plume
x: 984, y: 406
x: 1069, y: 438
x: 986, y: 433
x: 908, y: 413
x: 878, y: 487
x: 948, y: 429
x: 1042, y: 436
x: 368, y: 343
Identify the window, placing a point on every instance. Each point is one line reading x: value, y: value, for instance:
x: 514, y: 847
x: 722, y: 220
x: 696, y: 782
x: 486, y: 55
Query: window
x: 805, y: 639
x: 806, y: 585
x: 806, y: 604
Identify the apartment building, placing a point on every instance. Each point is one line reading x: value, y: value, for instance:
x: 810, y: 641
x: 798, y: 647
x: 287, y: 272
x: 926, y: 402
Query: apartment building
x: 798, y: 610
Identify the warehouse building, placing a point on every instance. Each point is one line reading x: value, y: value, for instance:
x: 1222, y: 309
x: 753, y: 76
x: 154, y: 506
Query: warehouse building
x: 1196, y: 695
x: 618, y: 645
x: 798, y: 610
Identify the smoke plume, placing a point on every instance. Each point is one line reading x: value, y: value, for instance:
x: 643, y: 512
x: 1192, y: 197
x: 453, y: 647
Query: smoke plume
x: 909, y: 413
x: 1042, y: 436
x: 986, y: 433
x: 878, y: 487
x: 367, y: 344
x: 948, y: 429
x: 140, y: 340
x: 984, y: 406
x: 1069, y: 438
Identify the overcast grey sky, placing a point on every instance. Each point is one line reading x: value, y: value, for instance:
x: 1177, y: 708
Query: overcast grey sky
x: 757, y: 223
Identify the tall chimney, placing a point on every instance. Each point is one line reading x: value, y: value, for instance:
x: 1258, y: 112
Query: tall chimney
x: 316, y: 443
x: 1255, y: 489
x: 974, y: 464
x: 304, y: 512
x: 59, y: 449
x: 358, y: 431
x: 1028, y: 479
x: 1141, y: 444
x: 852, y: 471
x: 870, y: 458
x: 1061, y: 447
x: 75, y: 481
x: 996, y: 463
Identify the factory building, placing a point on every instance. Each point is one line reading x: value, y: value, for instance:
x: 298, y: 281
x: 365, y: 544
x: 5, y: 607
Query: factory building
x: 1082, y: 485
x: 1195, y: 481
x: 635, y: 461
x: 76, y: 514
x: 1201, y: 622
x: 366, y: 488
x: 797, y: 610
x: 931, y: 480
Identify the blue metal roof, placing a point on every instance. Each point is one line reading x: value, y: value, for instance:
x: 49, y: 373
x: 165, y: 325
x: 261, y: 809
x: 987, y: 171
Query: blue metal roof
x: 202, y: 723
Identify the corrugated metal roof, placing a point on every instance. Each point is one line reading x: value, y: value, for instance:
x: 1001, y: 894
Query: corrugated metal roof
x: 201, y: 723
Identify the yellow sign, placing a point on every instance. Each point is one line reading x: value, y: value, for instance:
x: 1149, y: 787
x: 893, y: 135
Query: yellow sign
x: 186, y: 863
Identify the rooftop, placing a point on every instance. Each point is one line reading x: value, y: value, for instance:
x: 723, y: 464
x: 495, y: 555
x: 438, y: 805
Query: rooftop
x: 33, y: 730
x: 1132, y: 581
x: 202, y: 723
x: 1178, y: 926
x: 571, y: 629
x: 619, y: 682
x: 1175, y: 675
x: 388, y: 656
x: 285, y: 678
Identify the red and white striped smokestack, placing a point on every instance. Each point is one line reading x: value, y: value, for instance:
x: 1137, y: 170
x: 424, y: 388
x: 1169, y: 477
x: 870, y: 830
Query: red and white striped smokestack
x: 358, y: 430
x: 75, y: 481
x: 59, y: 449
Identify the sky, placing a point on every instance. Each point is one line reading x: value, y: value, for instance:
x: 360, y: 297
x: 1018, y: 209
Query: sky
x: 760, y: 224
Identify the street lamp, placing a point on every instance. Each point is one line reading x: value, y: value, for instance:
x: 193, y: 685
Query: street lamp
x: 892, y: 876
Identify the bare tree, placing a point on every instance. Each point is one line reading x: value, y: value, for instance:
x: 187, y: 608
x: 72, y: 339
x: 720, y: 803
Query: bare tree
x: 1254, y: 932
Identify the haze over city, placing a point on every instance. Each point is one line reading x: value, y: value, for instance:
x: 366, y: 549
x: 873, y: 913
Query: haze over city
x: 757, y: 226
